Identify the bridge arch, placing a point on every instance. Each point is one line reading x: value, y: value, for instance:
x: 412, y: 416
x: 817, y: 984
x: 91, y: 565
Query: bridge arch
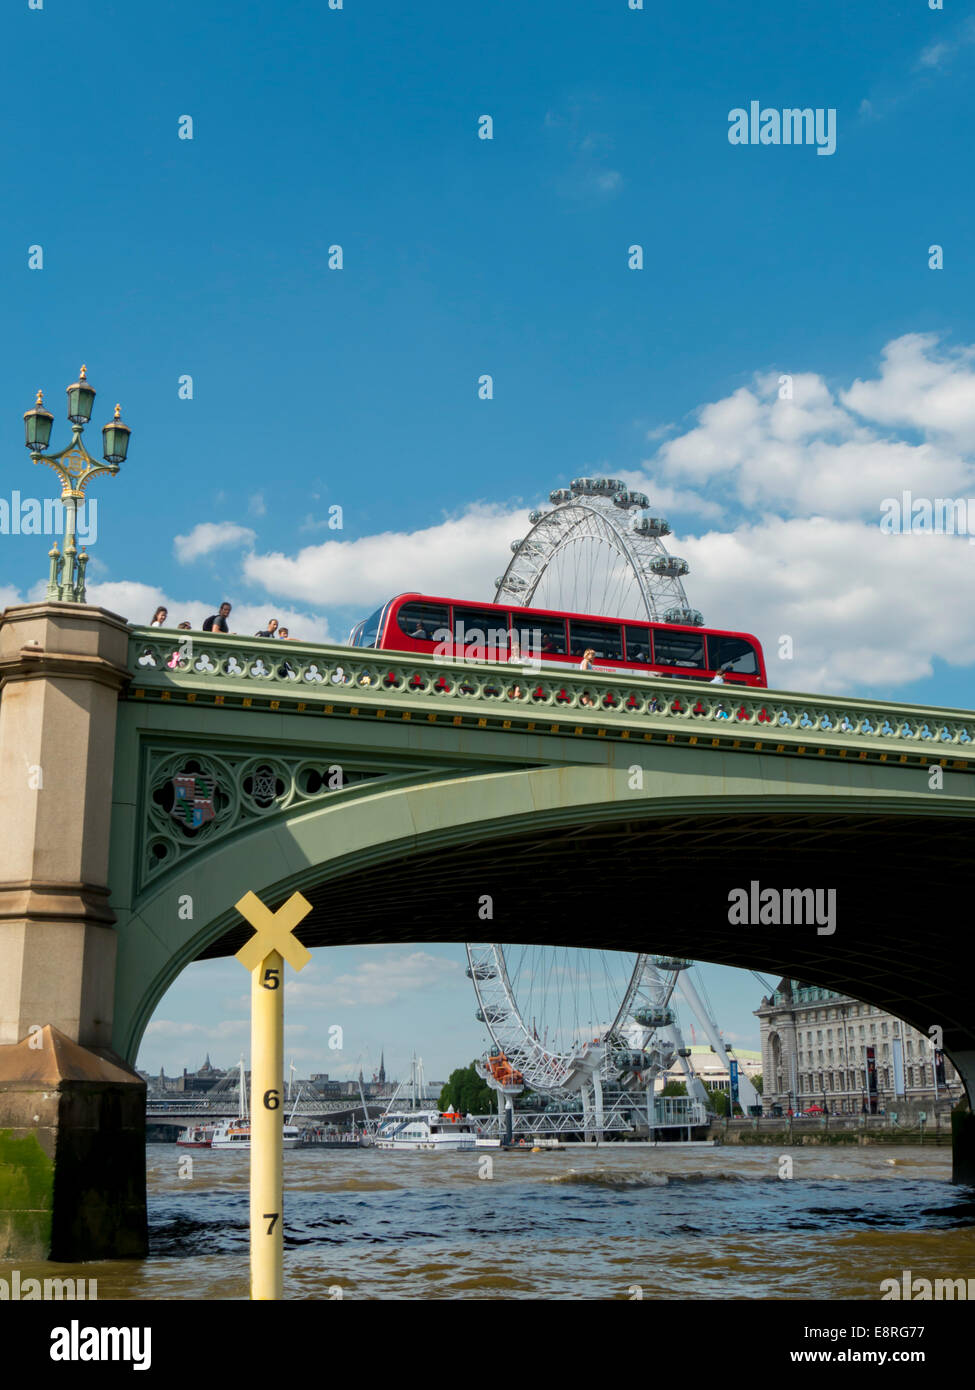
x: 574, y: 855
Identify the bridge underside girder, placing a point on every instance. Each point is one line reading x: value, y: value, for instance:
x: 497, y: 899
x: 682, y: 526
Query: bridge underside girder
x: 901, y: 882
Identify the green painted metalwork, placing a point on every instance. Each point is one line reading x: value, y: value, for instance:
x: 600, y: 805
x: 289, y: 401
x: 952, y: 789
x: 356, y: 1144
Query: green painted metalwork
x: 199, y: 795
x: 255, y: 674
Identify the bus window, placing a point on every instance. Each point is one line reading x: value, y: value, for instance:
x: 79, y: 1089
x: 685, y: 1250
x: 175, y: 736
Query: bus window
x: 678, y: 648
x: 605, y: 639
x: 541, y: 636
x: 424, y: 622
x: 478, y: 631
x: 732, y: 654
x: 367, y: 633
x: 638, y: 644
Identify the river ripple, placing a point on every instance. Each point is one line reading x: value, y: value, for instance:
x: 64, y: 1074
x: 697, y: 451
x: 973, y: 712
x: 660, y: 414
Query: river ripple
x: 582, y: 1223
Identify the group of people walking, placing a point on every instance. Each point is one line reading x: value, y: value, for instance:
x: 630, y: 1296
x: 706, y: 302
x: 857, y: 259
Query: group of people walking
x: 217, y: 622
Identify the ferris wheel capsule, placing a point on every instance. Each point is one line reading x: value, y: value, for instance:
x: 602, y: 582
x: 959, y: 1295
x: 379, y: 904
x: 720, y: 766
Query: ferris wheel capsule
x: 488, y: 1014
x: 670, y: 565
x: 560, y: 494
x: 655, y: 526
x: 686, y: 617
x: 626, y: 499
x: 652, y: 1017
x: 481, y: 972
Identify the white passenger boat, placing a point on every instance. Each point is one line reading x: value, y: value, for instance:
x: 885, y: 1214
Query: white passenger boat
x: 196, y: 1136
x: 236, y: 1133
x: 430, y: 1130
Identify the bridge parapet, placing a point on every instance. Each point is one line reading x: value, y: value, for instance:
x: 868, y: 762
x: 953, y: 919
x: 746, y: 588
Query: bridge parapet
x: 261, y: 674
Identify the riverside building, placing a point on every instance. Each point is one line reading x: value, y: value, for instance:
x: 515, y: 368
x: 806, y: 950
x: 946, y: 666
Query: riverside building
x: 827, y: 1049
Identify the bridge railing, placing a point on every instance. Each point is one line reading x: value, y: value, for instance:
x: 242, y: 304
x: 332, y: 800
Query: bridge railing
x: 262, y: 673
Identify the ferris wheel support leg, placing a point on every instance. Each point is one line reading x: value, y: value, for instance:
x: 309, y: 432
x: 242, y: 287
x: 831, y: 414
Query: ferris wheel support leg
x: 586, y: 1114
x: 747, y: 1094
x: 597, y: 1096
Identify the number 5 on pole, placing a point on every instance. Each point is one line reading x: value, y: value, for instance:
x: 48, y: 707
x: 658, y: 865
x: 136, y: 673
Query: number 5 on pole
x: 264, y: 956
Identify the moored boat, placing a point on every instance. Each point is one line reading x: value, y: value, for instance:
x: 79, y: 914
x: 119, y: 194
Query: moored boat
x: 196, y: 1136
x: 236, y: 1134
x: 425, y: 1130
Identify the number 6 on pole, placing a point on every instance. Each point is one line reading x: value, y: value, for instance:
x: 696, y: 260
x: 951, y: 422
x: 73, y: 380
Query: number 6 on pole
x: 264, y: 956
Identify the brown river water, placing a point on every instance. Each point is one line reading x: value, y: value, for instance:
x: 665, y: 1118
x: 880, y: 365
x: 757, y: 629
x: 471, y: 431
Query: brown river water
x: 613, y: 1222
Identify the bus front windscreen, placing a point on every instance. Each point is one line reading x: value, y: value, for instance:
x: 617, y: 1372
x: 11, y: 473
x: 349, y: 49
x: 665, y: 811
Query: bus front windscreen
x: 367, y: 634
x: 732, y: 654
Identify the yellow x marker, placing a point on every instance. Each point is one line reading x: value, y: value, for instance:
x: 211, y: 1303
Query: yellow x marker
x: 273, y: 931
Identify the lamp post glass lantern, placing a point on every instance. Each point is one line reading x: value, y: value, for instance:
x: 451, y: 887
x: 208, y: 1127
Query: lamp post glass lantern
x: 75, y: 468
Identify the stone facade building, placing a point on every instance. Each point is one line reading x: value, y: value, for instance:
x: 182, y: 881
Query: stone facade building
x: 827, y: 1049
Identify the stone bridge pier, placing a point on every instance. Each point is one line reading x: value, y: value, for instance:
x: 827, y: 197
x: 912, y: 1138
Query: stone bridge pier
x: 72, y: 1113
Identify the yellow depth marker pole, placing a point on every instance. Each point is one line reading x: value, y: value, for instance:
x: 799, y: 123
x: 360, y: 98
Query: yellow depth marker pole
x: 264, y: 956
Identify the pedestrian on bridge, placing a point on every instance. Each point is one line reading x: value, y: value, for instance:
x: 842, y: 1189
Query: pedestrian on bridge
x: 217, y: 622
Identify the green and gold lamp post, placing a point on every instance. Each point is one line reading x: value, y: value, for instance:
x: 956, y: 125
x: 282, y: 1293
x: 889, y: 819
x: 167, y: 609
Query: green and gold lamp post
x: 75, y: 467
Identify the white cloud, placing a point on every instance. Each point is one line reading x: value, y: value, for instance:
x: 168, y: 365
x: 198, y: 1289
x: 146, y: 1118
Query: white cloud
x: 863, y: 609
x: 378, y: 982
x: 934, y: 54
x: 922, y: 388
x: 9, y: 596
x: 610, y: 181
x: 216, y: 1032
x: 208, y: 536
x: 459, y: 557
x: 665, y: 499
x: 814, y: 453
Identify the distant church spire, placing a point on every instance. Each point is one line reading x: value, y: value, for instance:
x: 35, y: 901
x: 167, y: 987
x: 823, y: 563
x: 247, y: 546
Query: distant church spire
x: 382, y: 1068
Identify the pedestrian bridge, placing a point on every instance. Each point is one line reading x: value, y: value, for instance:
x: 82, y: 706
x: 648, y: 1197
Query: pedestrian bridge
x: 149, y: 784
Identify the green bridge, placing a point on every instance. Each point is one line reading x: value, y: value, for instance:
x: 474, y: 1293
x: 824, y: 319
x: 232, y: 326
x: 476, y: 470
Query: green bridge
x: 149, y: 781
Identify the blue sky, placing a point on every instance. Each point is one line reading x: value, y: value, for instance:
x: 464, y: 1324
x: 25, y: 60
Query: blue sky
x: 358, y: 127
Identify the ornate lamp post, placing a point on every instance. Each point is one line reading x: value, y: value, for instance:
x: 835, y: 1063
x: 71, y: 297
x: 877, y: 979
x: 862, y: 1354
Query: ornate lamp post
x: 76, y: 468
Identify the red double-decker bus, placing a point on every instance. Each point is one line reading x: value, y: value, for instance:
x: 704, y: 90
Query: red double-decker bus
x: 497, y: 632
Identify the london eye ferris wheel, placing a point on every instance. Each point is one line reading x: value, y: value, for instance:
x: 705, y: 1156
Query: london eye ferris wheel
x: 593, y: 552
x: 567, y: 1020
